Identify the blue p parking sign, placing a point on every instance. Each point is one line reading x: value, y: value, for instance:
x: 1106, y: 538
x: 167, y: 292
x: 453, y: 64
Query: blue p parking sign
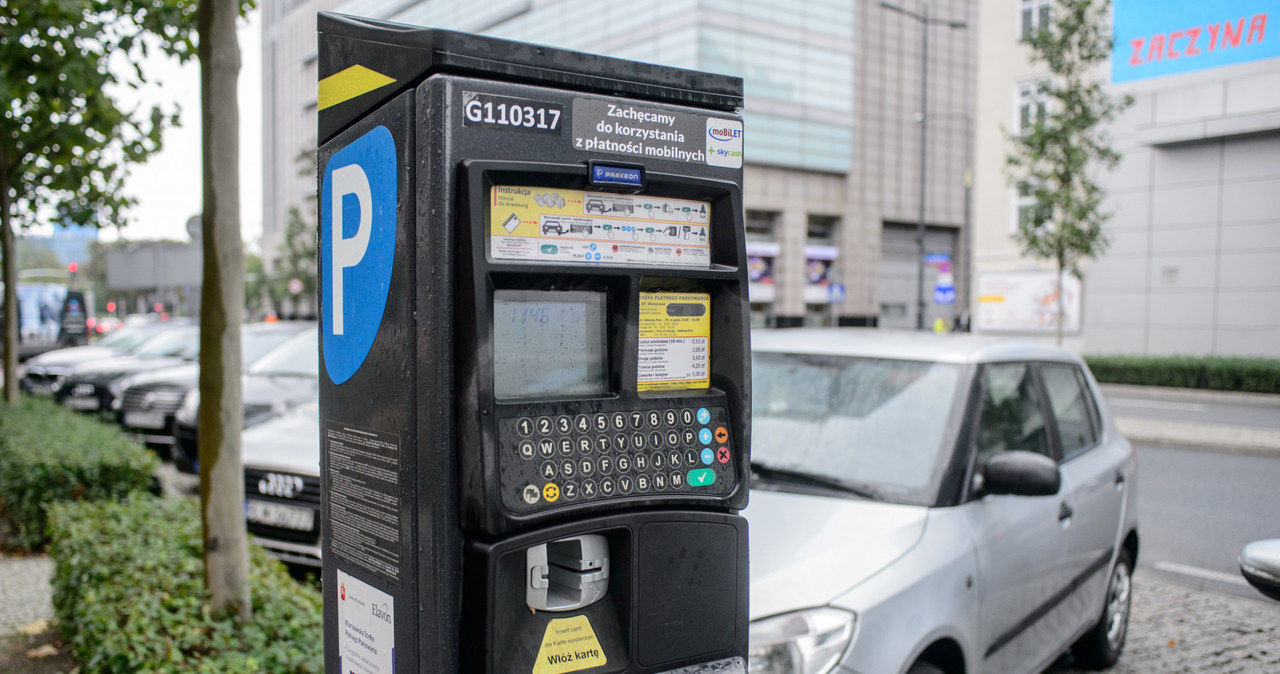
x: 357, y: 248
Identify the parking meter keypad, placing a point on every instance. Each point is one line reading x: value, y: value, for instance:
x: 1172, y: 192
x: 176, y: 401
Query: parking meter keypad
x: 561, y: 459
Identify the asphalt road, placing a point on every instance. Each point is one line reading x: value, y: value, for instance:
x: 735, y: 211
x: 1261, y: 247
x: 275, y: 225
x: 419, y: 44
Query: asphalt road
x: 1198, y: 508
x: 1233, y: 411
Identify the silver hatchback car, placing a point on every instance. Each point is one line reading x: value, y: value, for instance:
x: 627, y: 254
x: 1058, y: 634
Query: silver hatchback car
x: 928, y: 504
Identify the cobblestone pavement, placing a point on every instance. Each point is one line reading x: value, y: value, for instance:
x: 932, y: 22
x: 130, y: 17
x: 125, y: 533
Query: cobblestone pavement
x: 1176, y: 630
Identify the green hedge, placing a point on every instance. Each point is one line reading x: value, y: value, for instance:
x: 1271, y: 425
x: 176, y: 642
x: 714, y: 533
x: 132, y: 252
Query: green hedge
x: 1253, y: 375
x: 49, y: 454
x: 129, y: 595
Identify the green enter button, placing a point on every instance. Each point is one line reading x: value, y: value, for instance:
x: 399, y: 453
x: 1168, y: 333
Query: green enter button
x: 701, y: 477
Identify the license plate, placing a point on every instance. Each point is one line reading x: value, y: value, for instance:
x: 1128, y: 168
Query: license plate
x: 42, y: 390
x: 144, y: 420
x: 279, y: 515
x: 83, y: 404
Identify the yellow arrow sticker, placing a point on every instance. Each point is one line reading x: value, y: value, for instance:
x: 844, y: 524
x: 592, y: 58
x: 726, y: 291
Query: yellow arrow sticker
x: 346, y: 85
x: 569, y: 645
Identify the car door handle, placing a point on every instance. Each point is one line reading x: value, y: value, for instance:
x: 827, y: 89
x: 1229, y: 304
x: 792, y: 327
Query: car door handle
x: 1065, y: 512
x: 1119, y: 478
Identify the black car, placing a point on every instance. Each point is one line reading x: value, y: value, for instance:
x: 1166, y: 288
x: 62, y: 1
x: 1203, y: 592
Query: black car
x: 282, y: 379
x: 42, y: 375
x: 145, y: 403
x: 87, y: 387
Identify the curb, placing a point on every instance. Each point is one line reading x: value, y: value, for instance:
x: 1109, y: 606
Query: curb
x: 1210, y: 437
x: 1191, y: 394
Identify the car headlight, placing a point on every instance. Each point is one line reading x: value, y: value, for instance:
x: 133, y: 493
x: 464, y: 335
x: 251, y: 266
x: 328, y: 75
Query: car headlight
x: 804, y: 642
x: 118, y: 385
x: 186, y: 414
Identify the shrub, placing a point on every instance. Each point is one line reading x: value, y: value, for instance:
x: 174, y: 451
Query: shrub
x: 129, y: 595
x: 49, y: 454
x: 1219, y: 373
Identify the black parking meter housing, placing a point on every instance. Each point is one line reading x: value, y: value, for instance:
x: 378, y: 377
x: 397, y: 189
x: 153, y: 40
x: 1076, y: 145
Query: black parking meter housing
x: 535, y: 405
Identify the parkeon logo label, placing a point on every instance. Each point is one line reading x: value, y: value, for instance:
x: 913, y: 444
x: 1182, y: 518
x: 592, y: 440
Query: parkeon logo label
x: 724, y: 142
x: 357, y: 248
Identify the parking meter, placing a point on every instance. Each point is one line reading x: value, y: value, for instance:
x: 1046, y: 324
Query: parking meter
x: 535, y: 397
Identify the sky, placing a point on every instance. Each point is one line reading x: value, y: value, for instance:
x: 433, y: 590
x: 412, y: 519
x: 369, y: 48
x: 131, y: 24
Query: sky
x: 167, y: 186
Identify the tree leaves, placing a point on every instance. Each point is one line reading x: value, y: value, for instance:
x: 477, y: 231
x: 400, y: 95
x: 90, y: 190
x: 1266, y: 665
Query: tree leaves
x: 1055, y: 159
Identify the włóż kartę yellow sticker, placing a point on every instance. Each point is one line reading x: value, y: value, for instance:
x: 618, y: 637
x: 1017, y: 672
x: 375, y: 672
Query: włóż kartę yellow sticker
x: 569, y: 645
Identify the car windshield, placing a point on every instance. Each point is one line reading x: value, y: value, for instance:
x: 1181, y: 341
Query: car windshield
x: 131, y: 337
x: 874, y: 425
x: 256, y: 342
x: 172, y: 343
x: 299, y: 357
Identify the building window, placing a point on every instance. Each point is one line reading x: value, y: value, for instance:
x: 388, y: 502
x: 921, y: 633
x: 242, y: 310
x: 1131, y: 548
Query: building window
x: 762, y: 314
x: 817, y: 315
x: 820, y: 254
x: 1032, y: 100
x: 762, y: 226
x: 1026, y: 205
x: 761, y: 233
x: 1032, y: 103
x: 1035, y: 16
x: 821, y: 230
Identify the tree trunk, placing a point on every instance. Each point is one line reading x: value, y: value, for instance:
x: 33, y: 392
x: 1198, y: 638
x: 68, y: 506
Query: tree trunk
x: 1061, y: 304
x: 9, y: 249
x: 226, y: 549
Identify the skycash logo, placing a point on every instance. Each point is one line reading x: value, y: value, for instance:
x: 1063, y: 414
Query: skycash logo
x: 724, y: 144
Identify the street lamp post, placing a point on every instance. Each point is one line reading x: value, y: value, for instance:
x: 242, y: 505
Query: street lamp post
x: 925, y: 21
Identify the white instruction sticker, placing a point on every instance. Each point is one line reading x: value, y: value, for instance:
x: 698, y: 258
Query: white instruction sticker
x: 366, y: 628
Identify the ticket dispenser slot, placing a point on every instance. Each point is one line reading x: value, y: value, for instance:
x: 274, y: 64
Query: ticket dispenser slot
x: 567, y: 574
x: 535, y: 358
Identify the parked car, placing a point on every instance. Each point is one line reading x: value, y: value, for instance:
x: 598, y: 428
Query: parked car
x: 42, y: 375
x: 146, y: 402
x: 920, y: 504
x: 925, y: 503
x: 285, y: 377
x: 87, y: 387
x: 1260, y: 565
x: 281, y: 458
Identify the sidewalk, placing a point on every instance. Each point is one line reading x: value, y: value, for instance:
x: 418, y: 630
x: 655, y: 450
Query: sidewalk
x: 24, y: 584
x: 1216, y: 437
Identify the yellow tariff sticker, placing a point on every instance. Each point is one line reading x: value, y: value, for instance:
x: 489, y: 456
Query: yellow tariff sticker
x: 675, y: 341
x: 569, y: 645
x: 545, y: 224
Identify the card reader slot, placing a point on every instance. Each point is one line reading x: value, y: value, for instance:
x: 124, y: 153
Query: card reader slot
x: 567, y: 574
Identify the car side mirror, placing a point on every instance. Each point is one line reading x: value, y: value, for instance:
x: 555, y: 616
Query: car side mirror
x: 1021, y: 473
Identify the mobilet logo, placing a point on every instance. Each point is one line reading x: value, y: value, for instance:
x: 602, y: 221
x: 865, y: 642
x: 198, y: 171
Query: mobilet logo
x: 724, y: 133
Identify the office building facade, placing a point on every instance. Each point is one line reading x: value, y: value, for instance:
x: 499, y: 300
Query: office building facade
x: 1193, y: 265
x: 832, y: 130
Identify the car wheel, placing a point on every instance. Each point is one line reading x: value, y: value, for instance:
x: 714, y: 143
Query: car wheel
x: 1100, y: 647
x: 922, y: 667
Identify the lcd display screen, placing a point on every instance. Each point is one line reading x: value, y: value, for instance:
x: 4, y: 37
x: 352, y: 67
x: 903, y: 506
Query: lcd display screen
x: 548, y: 343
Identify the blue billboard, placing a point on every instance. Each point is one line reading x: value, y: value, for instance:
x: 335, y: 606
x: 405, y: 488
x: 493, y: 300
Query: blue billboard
x: 1166, y: 37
